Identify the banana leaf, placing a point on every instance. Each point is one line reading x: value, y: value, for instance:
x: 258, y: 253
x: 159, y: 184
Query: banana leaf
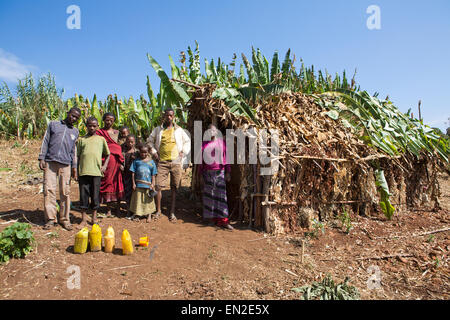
x: 174, y: 91
x: 385, y: 204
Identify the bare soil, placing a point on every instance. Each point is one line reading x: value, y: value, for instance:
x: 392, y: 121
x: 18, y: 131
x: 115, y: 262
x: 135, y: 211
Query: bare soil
x: 191, y: 260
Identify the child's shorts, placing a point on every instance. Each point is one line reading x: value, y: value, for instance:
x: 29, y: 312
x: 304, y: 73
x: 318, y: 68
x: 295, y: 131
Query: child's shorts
x: 89, y: 188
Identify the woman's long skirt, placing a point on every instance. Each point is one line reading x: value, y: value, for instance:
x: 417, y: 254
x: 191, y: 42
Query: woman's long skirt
x: 215, y: 204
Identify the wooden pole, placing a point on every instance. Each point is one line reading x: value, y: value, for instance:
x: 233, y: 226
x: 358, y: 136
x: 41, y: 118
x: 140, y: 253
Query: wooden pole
x: 303, y: 250
x: 266, y: 209
x: 186, y: 83
x: 252, y: 199
x: 258, y: 214
x: 241, y: 213
x: 420, y: 113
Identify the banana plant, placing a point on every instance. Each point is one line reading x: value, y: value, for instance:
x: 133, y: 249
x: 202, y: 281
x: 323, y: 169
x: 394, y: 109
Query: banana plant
x: 256, y: 79
x: 383, y: 125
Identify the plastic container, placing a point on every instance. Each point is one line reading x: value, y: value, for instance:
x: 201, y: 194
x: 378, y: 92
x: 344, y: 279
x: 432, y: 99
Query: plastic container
x: 81, y: 241
x: 143, y: 241
x: 110, y: 240
x: 95, y: 238
x: 127, y: 243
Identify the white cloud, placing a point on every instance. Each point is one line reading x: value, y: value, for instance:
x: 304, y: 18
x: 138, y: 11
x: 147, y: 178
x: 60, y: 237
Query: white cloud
x: 11, y: 69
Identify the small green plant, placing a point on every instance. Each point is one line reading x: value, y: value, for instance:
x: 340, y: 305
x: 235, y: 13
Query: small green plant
x: 25, y: 169
x: 16, y: 241
x: 430, y: 238
x: 346, y: 221
x: 317, y: 227
x: 53, y: 234
x: 328, y: 290
x: 16, y: 145
x: 437, y: 262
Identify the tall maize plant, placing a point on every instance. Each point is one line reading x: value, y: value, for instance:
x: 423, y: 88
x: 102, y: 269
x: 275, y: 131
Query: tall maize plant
x: 26, y: 113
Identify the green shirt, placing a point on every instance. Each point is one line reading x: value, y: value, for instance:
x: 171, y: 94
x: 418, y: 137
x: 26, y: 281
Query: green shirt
x: 90, y: 150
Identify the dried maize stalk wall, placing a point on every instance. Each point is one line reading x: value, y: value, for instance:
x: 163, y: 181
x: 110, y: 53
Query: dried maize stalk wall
x: 324, y: 168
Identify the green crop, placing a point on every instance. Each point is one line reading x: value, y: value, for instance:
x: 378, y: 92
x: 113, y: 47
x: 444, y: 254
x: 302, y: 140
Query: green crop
x: 328, y: 290
x: 16, y: 241
x: 26, y: 111
x: 346, y: 221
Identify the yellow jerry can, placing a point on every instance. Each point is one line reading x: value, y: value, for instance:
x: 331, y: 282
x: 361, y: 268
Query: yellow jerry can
x: 110, y: 240
x: 127, y: 243
x: 95, y: 238
x: 81, y: 241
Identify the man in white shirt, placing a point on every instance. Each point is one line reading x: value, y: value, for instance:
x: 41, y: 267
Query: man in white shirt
x: 169, y: 145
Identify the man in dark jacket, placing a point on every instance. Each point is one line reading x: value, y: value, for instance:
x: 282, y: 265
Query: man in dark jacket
x: 58, y: 158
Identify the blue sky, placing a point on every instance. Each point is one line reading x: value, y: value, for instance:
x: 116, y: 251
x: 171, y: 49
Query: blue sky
x: 407, y: 59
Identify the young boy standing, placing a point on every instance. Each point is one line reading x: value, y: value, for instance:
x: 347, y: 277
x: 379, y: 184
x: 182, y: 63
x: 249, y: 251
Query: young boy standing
x: 90, y: 150
x: 130, y: 154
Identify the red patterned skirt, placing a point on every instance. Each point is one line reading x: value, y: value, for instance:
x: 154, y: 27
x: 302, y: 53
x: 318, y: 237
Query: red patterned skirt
x: 111, y: 188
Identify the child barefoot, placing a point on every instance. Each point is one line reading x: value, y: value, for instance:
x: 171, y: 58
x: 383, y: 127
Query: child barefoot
x: 90, y: 149
x: 143, y: 171
x: 130, y: 154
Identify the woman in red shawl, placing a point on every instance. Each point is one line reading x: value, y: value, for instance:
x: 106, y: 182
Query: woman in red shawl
x: 111, y: 188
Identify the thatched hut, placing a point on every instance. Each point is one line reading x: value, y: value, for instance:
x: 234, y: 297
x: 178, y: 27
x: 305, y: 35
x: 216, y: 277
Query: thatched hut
x: 324, y: 169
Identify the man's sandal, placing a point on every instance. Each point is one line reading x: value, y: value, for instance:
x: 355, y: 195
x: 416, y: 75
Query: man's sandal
x: 172, y: 218
x: 157, y: 215
x: 49, y: 225
x: 67, y: 226
x: 134, y: 218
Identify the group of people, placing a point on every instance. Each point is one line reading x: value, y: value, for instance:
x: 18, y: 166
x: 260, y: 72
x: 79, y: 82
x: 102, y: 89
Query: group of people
x: 112, y: 166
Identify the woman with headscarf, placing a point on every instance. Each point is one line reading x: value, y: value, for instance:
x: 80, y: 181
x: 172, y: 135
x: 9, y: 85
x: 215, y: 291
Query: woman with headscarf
x: 111, y: 188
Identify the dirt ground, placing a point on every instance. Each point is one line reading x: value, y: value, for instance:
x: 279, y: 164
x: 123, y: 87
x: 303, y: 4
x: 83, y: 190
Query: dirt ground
x: 190, y: 260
